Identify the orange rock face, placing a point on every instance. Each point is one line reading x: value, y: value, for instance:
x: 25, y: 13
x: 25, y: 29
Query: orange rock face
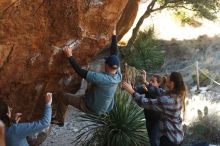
x: 31, y: 35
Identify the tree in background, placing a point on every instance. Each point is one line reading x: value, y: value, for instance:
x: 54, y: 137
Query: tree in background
x: 199, y: 8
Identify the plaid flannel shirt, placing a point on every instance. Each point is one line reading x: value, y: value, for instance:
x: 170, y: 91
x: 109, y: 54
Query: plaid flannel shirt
x: 170, y: 107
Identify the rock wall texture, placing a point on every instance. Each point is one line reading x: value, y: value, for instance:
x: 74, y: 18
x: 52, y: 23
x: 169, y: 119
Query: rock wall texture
x: 31, y: 35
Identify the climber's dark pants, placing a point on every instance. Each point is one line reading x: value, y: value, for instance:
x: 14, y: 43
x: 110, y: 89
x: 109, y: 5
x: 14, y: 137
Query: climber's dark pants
x: 61, y: 100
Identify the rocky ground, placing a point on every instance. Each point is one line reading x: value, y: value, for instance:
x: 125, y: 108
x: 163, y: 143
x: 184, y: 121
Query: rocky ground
x: 65, y: 136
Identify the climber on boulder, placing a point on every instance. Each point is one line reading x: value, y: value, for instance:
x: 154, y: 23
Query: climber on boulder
x: 100, y: 98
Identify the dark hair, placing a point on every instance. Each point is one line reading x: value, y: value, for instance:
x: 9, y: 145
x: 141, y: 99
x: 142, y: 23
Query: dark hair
x: 158, y: 77
x: 177, y: 79
x: 3, y: 113
x: 179, y: 86
x: 161, y: 80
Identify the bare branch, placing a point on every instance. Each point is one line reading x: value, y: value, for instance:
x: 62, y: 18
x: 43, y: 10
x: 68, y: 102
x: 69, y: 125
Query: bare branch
x: 182, y: 6
x: 166, y: 3
x: 140, y: 21
x: 161, y: 7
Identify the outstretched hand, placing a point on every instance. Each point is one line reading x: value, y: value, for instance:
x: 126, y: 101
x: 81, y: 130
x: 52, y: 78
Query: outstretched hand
x: 48, y: 98
x: 114, y: 30
x: 67, y: 51
x: 143, y: 76
x: 127, y: 87
x: 18, y: 117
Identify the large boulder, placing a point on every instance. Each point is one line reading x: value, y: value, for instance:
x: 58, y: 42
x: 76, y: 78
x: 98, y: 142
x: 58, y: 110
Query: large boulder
x: 32, y: 34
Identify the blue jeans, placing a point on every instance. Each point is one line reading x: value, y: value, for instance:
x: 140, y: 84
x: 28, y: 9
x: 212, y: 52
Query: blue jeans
x: 153, y: 129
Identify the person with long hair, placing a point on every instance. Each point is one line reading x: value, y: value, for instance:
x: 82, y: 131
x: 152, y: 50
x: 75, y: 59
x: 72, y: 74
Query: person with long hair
x: 169, y: 105
x: 16, y: 132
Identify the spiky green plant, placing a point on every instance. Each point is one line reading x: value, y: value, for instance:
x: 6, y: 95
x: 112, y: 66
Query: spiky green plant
x: 146, y: 52
x: 123, y: 126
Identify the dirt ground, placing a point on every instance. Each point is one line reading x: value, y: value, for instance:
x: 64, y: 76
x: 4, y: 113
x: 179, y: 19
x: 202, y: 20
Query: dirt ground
x: 64, y: 136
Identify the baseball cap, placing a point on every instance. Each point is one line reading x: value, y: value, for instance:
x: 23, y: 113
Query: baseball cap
x: 112, y: 61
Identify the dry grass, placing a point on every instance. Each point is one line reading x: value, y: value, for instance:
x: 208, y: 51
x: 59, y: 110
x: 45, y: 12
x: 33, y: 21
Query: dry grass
x: 207, y: 128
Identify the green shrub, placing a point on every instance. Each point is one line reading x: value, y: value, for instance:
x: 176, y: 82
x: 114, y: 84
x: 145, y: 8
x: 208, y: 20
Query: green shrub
x: 123, y: 126
x: 146, y: 52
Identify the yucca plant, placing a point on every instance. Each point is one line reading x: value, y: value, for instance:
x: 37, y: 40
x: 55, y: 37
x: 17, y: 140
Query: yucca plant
x: 147, y: 53
x: 123, y: 126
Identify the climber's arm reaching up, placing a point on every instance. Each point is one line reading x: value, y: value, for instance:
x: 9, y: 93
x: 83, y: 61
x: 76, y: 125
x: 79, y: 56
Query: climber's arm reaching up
x: 114, y: 47
x: 81, y: 72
